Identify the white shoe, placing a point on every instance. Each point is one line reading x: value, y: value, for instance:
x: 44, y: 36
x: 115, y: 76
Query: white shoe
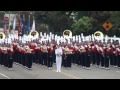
x: 25, y: 67
x: 107, y: 68
x: 115, y: 66
x: 88, y: 68
x: 29, y: 68
x: 59, y: 71
x: 49, y: 68
x: 83, y: 67
x: 101, y: 67
x: 96, y: 66
x: 10, y: 69
x: 15, y: 63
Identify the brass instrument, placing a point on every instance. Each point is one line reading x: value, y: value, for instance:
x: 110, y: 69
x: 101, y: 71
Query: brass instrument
x: 82, y: 49
x: 28, y: 50
x: 98, y: 35
x: 67, y: 51
x: 67, y: 34
x: 44, y: 49
x: 34, y: 34
x: 2, y: 36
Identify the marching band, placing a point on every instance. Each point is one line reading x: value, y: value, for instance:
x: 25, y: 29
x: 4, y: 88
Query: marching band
x: 84, y: 53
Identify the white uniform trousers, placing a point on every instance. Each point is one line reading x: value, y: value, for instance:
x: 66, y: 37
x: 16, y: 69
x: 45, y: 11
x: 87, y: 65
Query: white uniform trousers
x: 58, y: 63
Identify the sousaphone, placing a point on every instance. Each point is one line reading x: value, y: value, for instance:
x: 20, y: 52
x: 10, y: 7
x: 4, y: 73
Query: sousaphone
x: 2, y: 36
x: 67, y: 34
x: 34, y: 34
x: 98, y: 35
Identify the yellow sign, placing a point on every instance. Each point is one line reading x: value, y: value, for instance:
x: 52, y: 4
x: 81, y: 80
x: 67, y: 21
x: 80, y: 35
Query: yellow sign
x: 107, y: 26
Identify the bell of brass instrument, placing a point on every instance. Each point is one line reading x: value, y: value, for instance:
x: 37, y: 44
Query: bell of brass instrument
x: 98, y: 35
x: 67, y: 34
x: 34, y: 34
x: 2, y: 36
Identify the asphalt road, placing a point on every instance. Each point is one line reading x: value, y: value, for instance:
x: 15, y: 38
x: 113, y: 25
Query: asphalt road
x: 42, y: 72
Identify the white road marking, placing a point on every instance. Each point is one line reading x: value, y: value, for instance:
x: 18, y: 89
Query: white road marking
x: 4, y: 76
x: 68, y: 75
x: 118, y: 71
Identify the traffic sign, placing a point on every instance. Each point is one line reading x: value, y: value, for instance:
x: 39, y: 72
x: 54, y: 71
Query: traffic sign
x: 107, y: 26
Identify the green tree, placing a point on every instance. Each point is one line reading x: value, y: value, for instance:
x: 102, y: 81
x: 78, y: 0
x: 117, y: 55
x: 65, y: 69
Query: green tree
x: 83, y: 25
x: 115, y: 19
x: 80, y: 14
x: 57, y: 21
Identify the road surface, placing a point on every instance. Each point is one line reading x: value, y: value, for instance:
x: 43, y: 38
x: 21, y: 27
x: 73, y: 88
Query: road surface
x: 42, y: 72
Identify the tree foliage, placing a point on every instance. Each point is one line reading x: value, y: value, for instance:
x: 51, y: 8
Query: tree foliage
x: 83, y: 25
x: 57, y: 21
x: 77, y: 21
